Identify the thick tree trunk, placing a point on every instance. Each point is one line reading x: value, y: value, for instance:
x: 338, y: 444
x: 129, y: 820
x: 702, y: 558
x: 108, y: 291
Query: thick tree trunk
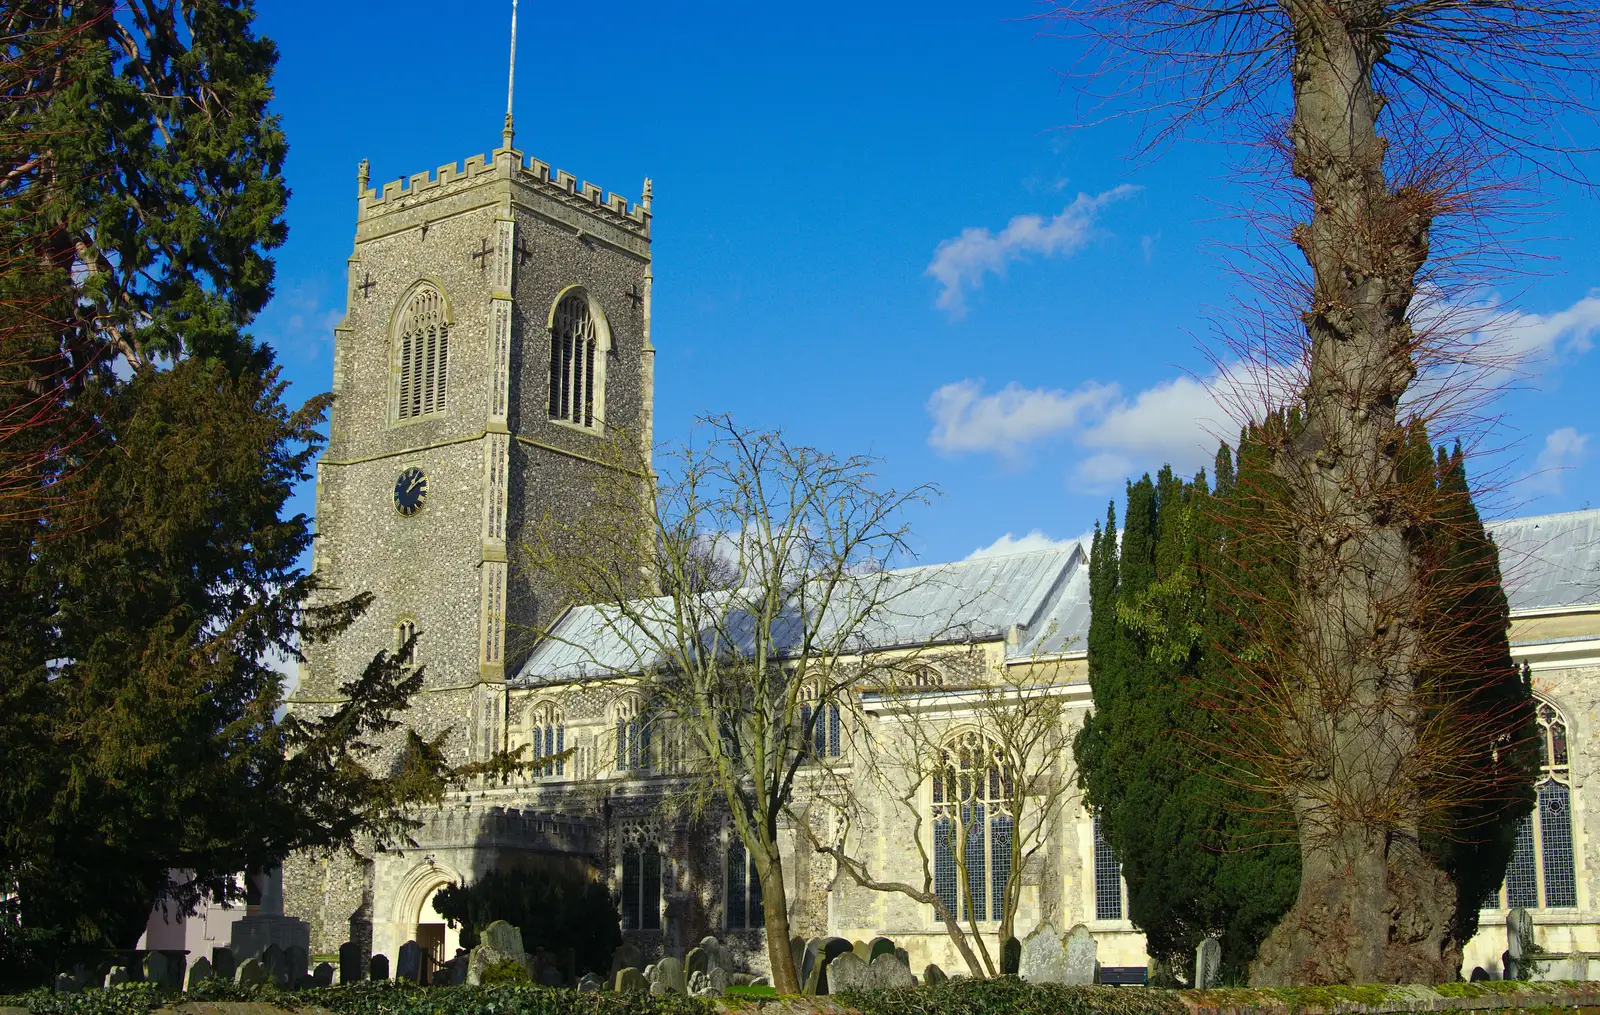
x: 1372, y: 907
x: 775, y: 914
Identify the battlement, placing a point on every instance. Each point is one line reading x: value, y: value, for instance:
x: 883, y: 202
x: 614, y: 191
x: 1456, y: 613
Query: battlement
x: 499, y: 826
x: 530, y: 172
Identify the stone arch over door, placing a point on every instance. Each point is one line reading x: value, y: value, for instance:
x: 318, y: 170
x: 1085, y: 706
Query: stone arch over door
x: 404, y: 912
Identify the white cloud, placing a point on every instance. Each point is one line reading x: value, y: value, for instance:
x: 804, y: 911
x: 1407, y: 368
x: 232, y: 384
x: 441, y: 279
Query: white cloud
x: 1564, y: 449
x: 960, y: 264
x: 1034, y: 540
x: 1540, y: 336
x: 1176, y: 421
x: 1102, y: 472
x: 965, y: 419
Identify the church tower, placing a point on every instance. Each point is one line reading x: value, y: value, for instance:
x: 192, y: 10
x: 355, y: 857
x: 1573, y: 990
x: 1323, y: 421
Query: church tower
x: 497, y: 330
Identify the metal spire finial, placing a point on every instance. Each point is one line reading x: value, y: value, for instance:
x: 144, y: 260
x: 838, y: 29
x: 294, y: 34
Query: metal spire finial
x: 511, y: 79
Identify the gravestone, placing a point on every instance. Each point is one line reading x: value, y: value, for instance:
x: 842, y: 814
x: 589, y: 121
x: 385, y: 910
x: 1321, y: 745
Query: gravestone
x: 276, y: 963
x: 1207, y: 963
x: 717, y: 954
x: 696, y: 961
x: 118, y: 975
x: 251, y: 973
x: 879, y: 946
x: 631, y: 981
x: 297, y: 961
x: 624, y: 956
x: 932, y: 975
x: 590, y: 984
x: 323, y: 976
x: 847, y: 972
x: 1479, y: 974
x: 499, y: 942
x: 797, y: 951
x: 1044, y: 957
x: 200, y: 972
x: 819, y: 952
x: 1010, y: 956
x: 350, y: 963
x: 717, y: 981
x: 659, y: 989
x: 669, y: 971
x: 697, y: 984
x: 65, y: 984
x: 165, y: 970
x: 888, y: 971
x: 1081, y: 956
x: 409, y: 965
x: 378, y: 967
x: 1519, y: 935
x: 223, y: 965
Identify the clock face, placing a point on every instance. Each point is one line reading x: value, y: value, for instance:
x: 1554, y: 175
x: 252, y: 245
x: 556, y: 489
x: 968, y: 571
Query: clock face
x: 410, y: 491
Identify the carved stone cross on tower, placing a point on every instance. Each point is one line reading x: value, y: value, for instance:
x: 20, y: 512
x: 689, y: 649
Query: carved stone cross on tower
x: 635, y: 295
x: 366, y: 286
x: 523, y: 253
x: 481, y: 255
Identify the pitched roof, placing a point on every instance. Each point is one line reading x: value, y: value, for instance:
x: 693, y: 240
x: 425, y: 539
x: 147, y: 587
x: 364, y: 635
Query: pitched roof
x: 1550, y: 561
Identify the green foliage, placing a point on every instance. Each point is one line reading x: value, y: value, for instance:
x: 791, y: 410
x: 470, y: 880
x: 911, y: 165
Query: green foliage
x: 1010, y: 996
x: 386, y: 998
x: 552, y: 912
x: 506, y: 971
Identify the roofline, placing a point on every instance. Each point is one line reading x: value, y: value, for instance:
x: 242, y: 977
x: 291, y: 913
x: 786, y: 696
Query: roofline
x: 1540, y: 518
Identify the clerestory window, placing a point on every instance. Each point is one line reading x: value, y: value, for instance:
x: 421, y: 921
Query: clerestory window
x: 547, y: 739
x: 575, y: 348
x: 635, y: 729
x: 972, y: 828
x: 1541, y: 874
x: 422, y: 356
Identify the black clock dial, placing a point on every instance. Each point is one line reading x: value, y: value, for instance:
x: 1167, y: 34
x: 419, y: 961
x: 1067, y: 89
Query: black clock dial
x: 410, y: 491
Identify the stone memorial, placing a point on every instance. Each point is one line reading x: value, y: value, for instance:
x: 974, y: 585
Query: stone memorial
x: 1519, y: 936
x: 1010, y: 956
x: 879, y: 946
x: 409, y: 965
x: 350, y: 963
x: 659, y: 989
x: 276, y: 963
x: 631, y: 981
x: 117, y: 975
x: 1082, y: 963
x: 251, y: 973
x: 378, y: 967
x: 847, y: 972
x: 199, y: 973
x: 297, y: 961
x: 165, y: 969
x: 819, y: 952
x: 717, y: 981
x: 499, y: 942
x: 932, y: 975
x: 624, y: 956
x: 1043, y: 958
x: 888, y: 971
x: 323, y: 975
x: 696, y: 961
x: 669, y: 971
x: 223, y: 965
x: 589, y: 983
x: 697, y: 984
x: 250, y: 935
x: 65, y: 983
x: 1207, y: 963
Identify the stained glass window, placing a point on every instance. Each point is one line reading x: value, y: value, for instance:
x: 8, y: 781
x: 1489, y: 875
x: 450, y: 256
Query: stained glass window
x: 972, y: 829
x: 1541, y: 873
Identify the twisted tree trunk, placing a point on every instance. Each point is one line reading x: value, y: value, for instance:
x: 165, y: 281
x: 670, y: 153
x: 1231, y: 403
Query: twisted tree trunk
x: 1372, y: 907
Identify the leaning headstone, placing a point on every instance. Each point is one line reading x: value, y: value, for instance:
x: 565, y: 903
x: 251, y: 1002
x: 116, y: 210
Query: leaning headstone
x: 932, y: 975
x: 879, y: 946
x: 1519, y: 935
x: 1081, y: 956
x: 409, y: 965
x: 625, y: 955
x: 590, y: 984
x: 323, y: 976
x: 669, y: 971
x: 349, y: 963
x: 500, y: 942
x: 1011, y: 956
x: 223, y: 965
x: 717, y: 981
x: 631, y: 981
x: 888, y: 971
x: 696, y: 961
x: 819, y: 952
x: 717, y: 955
x: 378, y: 967
x: 1043, y: 958
x: 797, y: 951
x: 847, y: 972
x: 251, y: 973
x: 199, y: 973
x: 1207, y: 963
x: 117, y: 975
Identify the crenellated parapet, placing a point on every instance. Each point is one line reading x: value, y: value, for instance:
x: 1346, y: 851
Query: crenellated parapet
x: 507, y: 827
x: 556, y: 184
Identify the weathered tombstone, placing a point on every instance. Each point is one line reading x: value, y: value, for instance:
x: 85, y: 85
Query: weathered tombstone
x: 276, y: 964
x: 323, y: 976
x: 223, y: 965
x: 378, y: 967
x: 1207, y: 963
x: 932, y: 975
x: 65, y: 984
x: 164, y: 970
x: 349, y: 963
x: 117, y: 975
x: 631, y: 981
x: 862, y: 950
x: 904, y: 957
x: 717, y: 954
x: 251, y: 973
x: 888, y: 971
x: 499, y: 942
x: 878, y: 946
x: 1011, y: 956
x: 1519, y: 935
x: 1479, y: 974
x: 847, y: 972
x: 409, y: 965
x: 1081, y: 954
x: 829, y: 948
x: 697, y: 984
x: 199, y: 973
x: 590, y: 984
x: 670, y: 972
x: 659, y: 989
x: 797, y: 951
x: 297, y: 961
x: 626, y: 955
x: 501, y: 937
x: 1043, y: 958
x: 697, y: 961
x: 716, y: 981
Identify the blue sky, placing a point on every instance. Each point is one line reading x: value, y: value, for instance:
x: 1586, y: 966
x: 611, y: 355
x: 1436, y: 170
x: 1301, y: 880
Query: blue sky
x: 873, y: 231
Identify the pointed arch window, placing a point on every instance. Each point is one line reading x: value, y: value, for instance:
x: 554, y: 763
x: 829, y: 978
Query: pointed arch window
x: 575, y: 347
x: 547, y: 739
x: 422, y: 356
x: 1542, y: 872
x: 972, y: 828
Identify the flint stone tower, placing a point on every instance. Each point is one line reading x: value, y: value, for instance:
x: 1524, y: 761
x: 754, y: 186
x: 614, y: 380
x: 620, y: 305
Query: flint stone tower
x: 497, y: 330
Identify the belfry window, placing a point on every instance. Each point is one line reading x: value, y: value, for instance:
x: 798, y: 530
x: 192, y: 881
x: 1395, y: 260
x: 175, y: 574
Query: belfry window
x: 423, y: 355
x: 573, y: 347
x: 743, y: 898
x: 1541, y: 874
x: 972, y: 828
x: 641, y: 888
x: 405, y: 643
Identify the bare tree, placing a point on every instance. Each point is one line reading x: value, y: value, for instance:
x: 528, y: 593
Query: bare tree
x: 1403, y: 118
x: 734, y: 587
x: 996, y: 752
